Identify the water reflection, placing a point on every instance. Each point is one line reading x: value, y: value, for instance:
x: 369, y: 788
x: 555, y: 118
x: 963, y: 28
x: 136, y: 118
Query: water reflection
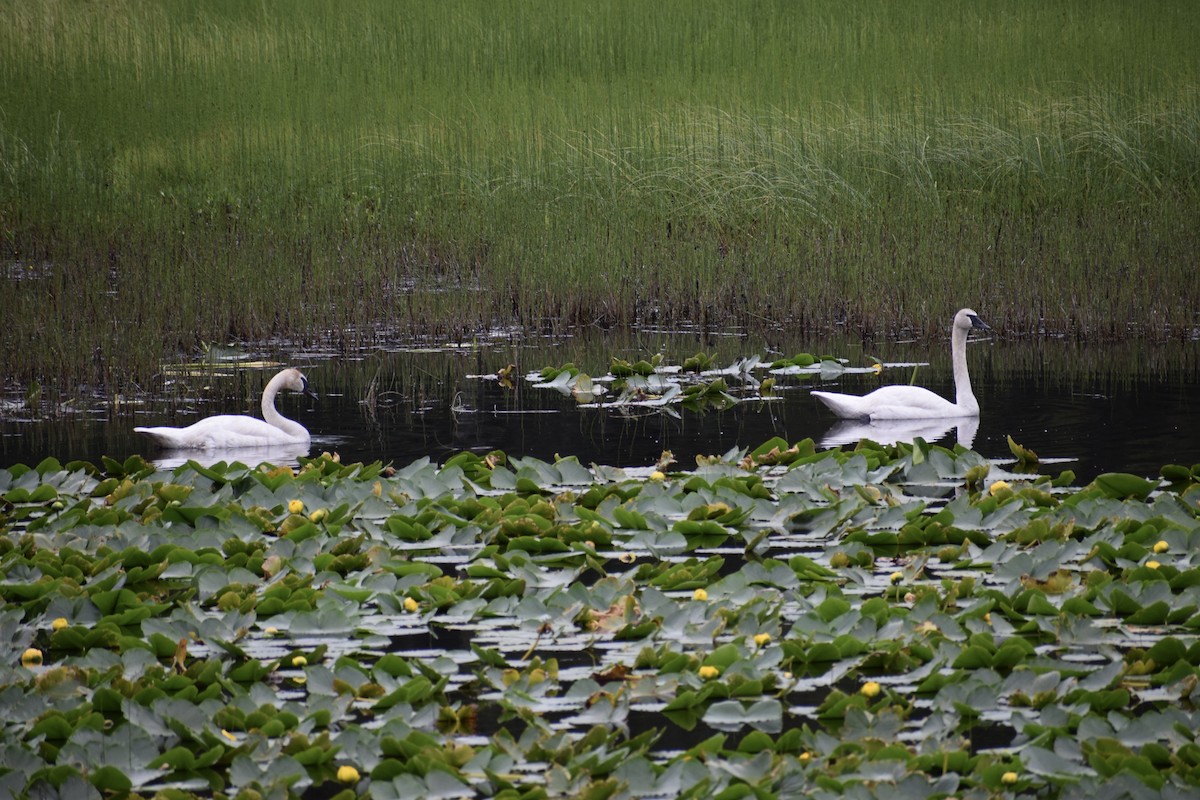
x: 1127, y: 407
x: 285, y: 454
x: 892, y: 431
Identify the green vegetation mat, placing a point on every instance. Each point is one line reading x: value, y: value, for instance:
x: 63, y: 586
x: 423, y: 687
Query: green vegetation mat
x: 883, y: 622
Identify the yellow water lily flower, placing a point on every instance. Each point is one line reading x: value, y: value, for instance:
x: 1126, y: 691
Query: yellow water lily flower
x: 347, y: 774
x: 411, y: 605
x: 896, y: 577
x: 318, y: 515
x: 295, y: 506
x: 999, y: 486
x: 762, y: 639
x: 870, y: 689
x: 658, y: 475
x: 299, y: 661
x: 699, y: 594
x: 59, y: 623
x: 1153, y: 564
x: 708, y: 672
x: 1161, y: 547
x: 1009, y: 777
x: 31, y: 658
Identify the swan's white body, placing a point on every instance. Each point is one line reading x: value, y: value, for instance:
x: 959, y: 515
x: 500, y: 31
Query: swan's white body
x: 915, y: 402
x: 235, y: 431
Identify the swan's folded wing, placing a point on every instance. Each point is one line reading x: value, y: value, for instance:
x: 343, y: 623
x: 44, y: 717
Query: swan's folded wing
x: 909, y: 402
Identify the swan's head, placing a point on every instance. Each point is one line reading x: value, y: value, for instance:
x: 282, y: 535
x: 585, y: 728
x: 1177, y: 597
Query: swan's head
x: 967, y: 319
x: 294, y: 379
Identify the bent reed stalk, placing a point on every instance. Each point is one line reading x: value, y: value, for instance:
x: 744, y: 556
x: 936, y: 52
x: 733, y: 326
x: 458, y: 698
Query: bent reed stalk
x: 177, y: 173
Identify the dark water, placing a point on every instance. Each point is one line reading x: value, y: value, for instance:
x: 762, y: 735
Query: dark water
x: 1125, y: 407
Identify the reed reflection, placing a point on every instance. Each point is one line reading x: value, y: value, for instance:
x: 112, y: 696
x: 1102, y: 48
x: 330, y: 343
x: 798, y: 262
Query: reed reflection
x: 1123, y: 407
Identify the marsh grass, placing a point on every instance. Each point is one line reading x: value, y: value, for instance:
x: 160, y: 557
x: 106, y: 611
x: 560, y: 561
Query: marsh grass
x: 177, y: 173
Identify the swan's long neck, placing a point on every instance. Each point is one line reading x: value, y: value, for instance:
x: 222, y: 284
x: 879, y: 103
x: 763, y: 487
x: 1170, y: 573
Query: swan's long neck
x: 964, y: 398
x: 272, y: 416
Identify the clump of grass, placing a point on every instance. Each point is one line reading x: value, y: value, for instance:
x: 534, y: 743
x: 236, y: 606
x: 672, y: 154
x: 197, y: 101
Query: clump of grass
x: 180, y: 173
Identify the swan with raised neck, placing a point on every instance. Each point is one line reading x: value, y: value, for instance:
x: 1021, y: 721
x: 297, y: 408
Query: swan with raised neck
x: 915, y: 402
x: 237, y: 431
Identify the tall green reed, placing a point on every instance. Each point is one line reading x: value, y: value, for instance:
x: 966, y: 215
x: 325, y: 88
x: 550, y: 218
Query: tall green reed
x: 179, y: 173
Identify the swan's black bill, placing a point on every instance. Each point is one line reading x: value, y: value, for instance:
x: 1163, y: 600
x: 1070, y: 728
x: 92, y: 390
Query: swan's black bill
x: 976, y: 322
x: 308, y: 390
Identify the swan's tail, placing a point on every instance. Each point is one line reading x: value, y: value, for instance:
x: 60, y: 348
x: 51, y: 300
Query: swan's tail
x: 164, y: 437
x: 846, y: 406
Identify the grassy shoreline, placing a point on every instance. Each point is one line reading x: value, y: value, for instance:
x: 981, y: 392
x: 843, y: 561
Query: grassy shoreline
x: 183, y: 173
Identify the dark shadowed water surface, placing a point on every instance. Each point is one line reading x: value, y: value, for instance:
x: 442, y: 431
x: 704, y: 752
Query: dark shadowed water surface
x: 1092, y: 409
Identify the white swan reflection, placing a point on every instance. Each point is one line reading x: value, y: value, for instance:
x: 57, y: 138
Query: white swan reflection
x: 895, y: 431
x: 279, y: 455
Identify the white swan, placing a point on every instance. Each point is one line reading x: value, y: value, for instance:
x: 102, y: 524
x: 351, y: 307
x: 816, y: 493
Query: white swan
x: 914, y: 402
x: 235, y: 431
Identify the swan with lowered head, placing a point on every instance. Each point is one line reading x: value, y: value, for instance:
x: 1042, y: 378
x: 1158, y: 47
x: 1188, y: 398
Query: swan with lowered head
x: 914, y: 402
x: 234, y: 431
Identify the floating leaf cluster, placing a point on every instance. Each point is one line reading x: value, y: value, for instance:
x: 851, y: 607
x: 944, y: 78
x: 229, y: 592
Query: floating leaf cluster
x: 696, y: 384
x: 901, y: 621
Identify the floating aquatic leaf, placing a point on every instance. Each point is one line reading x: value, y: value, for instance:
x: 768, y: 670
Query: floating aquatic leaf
x: 734, y: 714
x: 1121, y: 485
x: 1026, y: 458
